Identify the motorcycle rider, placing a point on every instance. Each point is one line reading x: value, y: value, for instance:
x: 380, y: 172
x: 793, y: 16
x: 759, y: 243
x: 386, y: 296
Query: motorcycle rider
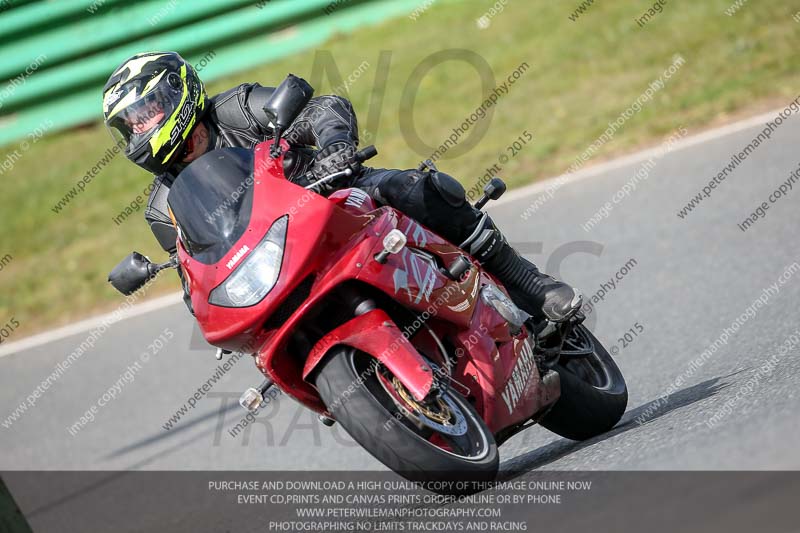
x: 157, y: 105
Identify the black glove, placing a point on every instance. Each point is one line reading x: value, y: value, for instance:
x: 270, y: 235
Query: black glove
x: 334, y: 158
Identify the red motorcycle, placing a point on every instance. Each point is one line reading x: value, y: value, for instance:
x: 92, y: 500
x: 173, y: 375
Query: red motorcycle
x: 372, y: 320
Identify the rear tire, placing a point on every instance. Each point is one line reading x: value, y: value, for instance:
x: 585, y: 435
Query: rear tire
x: 375, y: 420
x: 593, y: 394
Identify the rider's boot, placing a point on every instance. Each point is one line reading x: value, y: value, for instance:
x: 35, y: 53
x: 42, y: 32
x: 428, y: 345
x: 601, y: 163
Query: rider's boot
x: 538, y: 294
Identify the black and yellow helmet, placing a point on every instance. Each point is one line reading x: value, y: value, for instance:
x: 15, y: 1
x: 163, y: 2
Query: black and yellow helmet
x: 151, y: 103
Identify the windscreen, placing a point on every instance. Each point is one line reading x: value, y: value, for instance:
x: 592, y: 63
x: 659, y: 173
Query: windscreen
x: 211, y: 200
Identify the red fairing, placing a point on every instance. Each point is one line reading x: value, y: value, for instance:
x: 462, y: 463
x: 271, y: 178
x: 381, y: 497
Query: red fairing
x: 494, y: 355
x: 274, y: 359
x: 332, y: 243
x: 376, y: 334
x: 502, y: 368
x: 310, y: 240
x: 355, y: 201
x: 413, y: 277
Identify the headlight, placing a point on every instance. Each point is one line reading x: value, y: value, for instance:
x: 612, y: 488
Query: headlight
x: 257, y: 274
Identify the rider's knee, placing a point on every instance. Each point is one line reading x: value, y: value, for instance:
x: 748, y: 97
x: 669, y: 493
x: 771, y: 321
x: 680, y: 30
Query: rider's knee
x: 420, y: 188
x: 448, y: 188
x: 402, y: 190
x: 434, y: 199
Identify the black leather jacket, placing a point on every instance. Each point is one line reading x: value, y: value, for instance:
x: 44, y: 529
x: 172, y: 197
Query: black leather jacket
x: 236, y: 119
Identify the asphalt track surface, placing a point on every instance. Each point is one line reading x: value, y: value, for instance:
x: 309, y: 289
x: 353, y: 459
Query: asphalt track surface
x: 692, y: 278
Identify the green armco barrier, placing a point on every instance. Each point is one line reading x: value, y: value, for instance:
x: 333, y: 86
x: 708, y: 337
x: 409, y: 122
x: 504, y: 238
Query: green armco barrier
x: 33, y: 16
x: 201, y: 37
x: 11, y: 4
x: 236, y: 45
x: 109, y: 28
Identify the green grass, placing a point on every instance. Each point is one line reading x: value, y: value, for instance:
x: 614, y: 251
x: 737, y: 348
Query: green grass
x: 582, y: 75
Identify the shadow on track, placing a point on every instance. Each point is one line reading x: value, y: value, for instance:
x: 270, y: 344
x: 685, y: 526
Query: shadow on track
x: 556, y: 450
x: 221, y: 412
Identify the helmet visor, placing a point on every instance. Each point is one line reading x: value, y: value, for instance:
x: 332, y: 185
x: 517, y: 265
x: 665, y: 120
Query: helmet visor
x: 136, y: 123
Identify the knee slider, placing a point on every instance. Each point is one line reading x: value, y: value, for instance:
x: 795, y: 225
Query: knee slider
x: 448, y: 188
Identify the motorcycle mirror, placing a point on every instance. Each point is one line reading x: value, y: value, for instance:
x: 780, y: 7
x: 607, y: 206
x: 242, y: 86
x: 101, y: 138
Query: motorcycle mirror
x: 394, y: 241
x: 495, y: 188
x: 131, y: 273
x: 287, y: 101
x: 492, y: 191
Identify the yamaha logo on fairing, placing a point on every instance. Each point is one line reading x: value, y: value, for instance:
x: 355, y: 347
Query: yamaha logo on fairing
x: 356, y: 198
x: 238, y: 255
x: 519, y: 377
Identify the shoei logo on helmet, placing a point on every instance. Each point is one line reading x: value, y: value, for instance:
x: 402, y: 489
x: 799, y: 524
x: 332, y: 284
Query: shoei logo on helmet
x: 182, y: 121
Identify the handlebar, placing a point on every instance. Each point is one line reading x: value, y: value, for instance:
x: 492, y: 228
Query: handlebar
x: 362, y: 155
x: 366, y: 153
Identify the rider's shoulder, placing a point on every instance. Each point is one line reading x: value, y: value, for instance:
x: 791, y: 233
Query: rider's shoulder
x: 232, y: 108
x: 231, y: 94
x: 159, y: 190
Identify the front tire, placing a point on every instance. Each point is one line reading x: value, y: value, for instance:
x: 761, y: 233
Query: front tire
x: 593, y: 391
x: 391, y: 431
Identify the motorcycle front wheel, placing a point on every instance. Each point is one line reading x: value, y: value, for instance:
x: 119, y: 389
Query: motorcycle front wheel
x: 444, y: 440
x: 593, y: 391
